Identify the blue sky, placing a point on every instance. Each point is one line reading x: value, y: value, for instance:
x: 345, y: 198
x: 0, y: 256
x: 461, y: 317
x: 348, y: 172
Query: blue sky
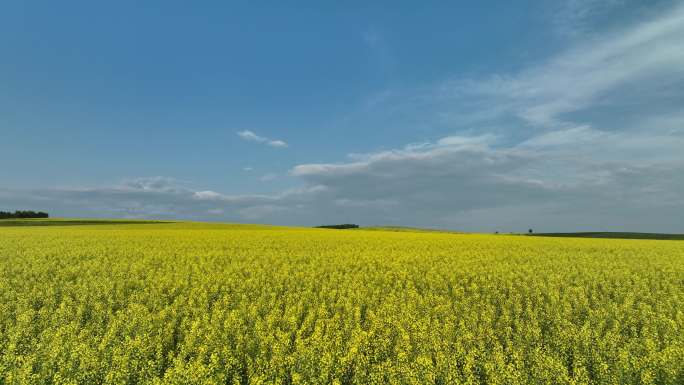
x: 557, y: 115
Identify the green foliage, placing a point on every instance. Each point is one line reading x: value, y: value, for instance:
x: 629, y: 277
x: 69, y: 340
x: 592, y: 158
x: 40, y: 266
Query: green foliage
x: 340, y: 227
x: 23, y: 214
x: 214, y: 304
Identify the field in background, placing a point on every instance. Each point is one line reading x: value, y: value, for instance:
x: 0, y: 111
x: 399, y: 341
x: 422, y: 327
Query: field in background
x: 210, y: 303
x: 615, y: 235
x: 72, y: 222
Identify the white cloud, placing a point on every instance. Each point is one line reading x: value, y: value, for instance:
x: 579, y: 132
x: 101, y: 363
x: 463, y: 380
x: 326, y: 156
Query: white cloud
x: 463, y: 141
x: 537, y: 184
x: 156, y: 183
x: 252, y: 137
x: 249, y: 135
x: 276, y: 143
x: 268, y: 177
x: 440, y: 184
x: 206, y: 195
x: 570, y: 136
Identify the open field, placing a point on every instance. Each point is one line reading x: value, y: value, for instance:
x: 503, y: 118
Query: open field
x: 615, y: 235
x: 71, y: 222
x: 230, y: 304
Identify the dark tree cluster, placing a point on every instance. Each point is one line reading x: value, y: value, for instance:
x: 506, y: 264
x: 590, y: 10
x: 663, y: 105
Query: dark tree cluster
x: 23, y: 214
x: 343, y: 226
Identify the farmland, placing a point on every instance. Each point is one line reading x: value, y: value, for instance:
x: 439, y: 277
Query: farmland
x: 180, y: 303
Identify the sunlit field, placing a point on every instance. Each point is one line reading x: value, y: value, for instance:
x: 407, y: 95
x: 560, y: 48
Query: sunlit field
x: 184, y: 303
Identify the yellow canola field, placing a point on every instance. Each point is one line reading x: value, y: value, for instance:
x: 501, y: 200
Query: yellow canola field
x: 193, y: 303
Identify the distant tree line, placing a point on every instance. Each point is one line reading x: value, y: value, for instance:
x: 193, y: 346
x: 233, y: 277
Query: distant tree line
x: 343, y: 226
x: 22, y: 214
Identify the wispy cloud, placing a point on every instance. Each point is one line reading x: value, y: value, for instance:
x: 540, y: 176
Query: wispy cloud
x: 379, y: 51
x: 571, y: 18
x: 268, y: 177
x: 606, y: 71
x: 252, y: 137
x: 608, y: 81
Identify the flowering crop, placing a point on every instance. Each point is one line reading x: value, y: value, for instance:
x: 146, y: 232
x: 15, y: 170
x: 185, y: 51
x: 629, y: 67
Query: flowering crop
x: 197, y: 303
